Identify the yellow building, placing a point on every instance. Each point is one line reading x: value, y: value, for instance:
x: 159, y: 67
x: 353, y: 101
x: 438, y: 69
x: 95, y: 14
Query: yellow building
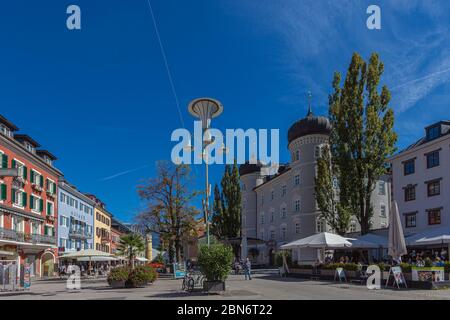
x: 102, y: 226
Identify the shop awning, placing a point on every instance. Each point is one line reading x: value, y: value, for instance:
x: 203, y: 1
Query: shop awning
x: 85, y: 254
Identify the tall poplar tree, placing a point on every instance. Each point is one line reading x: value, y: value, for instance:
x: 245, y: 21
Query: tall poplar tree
x: 332, y: 211
x: 362, y: 137
x: 226, y: 218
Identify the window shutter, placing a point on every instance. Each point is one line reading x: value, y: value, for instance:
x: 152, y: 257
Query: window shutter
x: 25, y: 172
x: 24, y: 199
x: 41, y: 181
x: 41, y: 205
x: 4, y: 161
x: 54, y: 187
x: 31, y: 201
x: 32, y: 176
x: 13, y: 195
x: 13, y: 163
x: 3, y: 191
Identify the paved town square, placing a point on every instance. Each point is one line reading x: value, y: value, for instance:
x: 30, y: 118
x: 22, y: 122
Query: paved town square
x: 261, y: 287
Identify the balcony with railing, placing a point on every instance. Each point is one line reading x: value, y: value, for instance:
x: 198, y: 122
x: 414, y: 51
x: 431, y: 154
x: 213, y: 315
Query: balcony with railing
x: 79, y: 233
x: 105, y: 238
x: 16, y: 236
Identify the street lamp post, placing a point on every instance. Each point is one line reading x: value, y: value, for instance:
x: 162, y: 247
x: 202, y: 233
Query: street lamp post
x: 205, y: 109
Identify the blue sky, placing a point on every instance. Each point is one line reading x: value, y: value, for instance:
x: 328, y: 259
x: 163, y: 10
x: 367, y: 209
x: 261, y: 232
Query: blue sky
x: 101, y: 101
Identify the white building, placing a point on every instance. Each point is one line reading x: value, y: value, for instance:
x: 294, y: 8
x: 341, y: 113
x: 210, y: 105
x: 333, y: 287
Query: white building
x: 283, y: 208
x: 421, y: 180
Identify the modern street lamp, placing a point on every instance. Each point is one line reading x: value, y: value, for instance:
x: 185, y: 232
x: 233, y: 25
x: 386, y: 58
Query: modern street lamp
x: 205, y: 109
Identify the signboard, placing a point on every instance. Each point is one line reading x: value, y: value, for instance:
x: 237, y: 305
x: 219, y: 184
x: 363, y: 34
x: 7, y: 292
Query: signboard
x: 340, y: 274
x: 397, y: 274
x: 433, y: 274
x: 26, y: 276
x: 179, y: 270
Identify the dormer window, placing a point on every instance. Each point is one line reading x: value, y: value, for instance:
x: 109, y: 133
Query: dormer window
x: 433, y: 132
x: 29, y: 147
x: 48, y: 160
x: 5, y: 130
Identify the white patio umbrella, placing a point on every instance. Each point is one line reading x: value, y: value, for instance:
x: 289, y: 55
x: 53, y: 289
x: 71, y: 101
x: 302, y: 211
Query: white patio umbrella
x: 84, y: 254
x: 323, y: 240
x: 428, y: 237
x: 396, y: 245
x: 97, y: 259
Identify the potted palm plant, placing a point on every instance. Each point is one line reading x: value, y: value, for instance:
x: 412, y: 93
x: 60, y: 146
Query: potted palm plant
x: 130, y: 245
x: 215, y: 263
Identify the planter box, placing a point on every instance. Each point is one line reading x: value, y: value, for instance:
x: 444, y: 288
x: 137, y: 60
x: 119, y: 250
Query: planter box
x: 214, y: 286
x: 300, y: 271
x: 117, y: 284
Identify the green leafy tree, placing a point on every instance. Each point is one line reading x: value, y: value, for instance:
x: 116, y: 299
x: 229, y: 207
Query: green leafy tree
x: 226, y: 217
x: 332, y: 211
x: 362, y: 137
x: 130, y: 245
x: 169, y: 211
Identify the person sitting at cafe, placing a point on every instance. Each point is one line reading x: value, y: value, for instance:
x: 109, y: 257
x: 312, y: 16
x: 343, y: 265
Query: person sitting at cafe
x: 438, y: 262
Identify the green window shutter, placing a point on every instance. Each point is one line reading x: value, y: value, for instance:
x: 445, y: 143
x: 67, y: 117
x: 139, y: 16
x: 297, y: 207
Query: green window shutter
x: 41, y: 205
x: 25, y: 172
x: 45, y: 230
x: 49, y: 206
x: 3, y: 191
x: 54, y: 187
x: 13, y: 163
x: 4, y: 161
x: 24, y: 199
x: 31, y: 201
x: 31, y: 176
x: 41, y: 181
x: 47, y: 184
x: 13, y: 195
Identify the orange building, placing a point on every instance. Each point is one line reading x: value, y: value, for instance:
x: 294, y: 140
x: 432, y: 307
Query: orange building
x: 28, y: 202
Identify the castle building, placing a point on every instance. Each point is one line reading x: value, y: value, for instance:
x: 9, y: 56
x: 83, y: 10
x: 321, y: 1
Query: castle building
x: 282, y: 208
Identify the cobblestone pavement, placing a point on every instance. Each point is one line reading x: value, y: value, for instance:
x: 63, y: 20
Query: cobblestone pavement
x: 263, y: 286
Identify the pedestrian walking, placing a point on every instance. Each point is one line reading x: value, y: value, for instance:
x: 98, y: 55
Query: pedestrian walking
x: 248, y: 269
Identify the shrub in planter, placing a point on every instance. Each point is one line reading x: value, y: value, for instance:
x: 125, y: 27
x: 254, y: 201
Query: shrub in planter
x: 141, y: 276
x: 118, y: 277
x: 447, y: 266
x: 406, y: 267
x: 215, y: 263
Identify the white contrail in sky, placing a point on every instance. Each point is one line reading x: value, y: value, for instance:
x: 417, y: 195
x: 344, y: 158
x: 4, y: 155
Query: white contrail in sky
x: 123, y: 173
x: 431, y: 75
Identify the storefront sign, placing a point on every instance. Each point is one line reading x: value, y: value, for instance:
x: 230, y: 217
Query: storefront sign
x: 179, y: 270
x: 340, y: 274
x: 397, y: 274
x: 433, y: 274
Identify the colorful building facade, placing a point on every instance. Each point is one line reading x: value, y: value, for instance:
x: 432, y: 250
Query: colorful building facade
x: 28, y: 202
x: 102, y: 225
x: 76, y: 219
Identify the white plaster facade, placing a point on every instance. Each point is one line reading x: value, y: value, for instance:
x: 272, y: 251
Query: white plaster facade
x: 415, y: 171
x: 283, y: 208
